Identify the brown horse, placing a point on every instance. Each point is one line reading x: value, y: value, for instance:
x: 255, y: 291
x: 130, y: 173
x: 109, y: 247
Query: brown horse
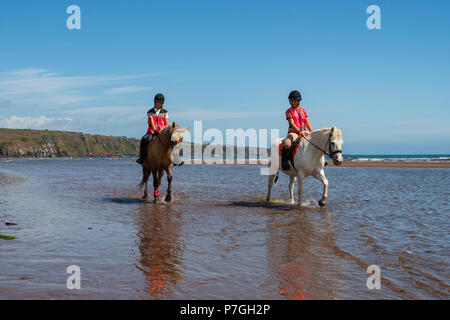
x: 159, y: 159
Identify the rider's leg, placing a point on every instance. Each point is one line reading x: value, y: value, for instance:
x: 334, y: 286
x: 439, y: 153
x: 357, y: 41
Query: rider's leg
x: 144, y: 141
x: 141, y: 151
x: 287, y: 145
x: 289, y: 140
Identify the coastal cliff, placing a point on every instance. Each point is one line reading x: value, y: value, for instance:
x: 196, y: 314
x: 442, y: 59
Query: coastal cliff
x: 25, y: 143
x: 57, y: 144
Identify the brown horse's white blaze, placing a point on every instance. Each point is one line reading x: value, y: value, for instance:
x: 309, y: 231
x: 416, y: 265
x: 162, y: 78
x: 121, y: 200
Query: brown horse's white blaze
x: 309, y: 160
x: 159, y: 160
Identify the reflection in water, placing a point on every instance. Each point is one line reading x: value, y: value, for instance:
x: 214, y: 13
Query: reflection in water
x: 160, y: 249
x: 297, y: 250
x: 218, y: 240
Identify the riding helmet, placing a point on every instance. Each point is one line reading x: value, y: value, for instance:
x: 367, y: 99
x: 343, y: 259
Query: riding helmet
x: 295, y: 95
x: 159, y: 97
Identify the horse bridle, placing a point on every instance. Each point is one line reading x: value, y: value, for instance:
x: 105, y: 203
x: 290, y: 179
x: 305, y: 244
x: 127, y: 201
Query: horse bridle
x: 331, y: 153
x: 172, y: 144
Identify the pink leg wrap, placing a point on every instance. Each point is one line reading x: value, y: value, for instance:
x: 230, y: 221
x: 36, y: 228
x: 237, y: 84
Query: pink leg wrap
x: 157, y: 193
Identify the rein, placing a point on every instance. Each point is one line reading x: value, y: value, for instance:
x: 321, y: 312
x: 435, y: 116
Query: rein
x: 331, y: 153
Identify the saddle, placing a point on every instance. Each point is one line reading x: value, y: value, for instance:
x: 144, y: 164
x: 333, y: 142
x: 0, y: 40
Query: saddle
x: 287, y: 155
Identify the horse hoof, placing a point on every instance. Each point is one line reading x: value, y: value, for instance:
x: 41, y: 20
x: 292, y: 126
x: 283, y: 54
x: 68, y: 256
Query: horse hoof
x: 145, y: 196
x: 155, y: 199
x: 322, y: 203
x: 168, y: 199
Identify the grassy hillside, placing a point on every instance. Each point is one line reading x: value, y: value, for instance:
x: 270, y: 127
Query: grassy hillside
x: 37, y: 143
x: 54, y: 144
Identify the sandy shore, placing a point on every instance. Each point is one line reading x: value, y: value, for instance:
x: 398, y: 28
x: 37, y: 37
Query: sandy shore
x: 366, y: 164
x: 373, y: 164
x: 394, y: 164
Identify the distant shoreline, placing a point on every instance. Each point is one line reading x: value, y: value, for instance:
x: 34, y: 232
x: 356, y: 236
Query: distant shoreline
x: 394, y: 164
x: 361, y: 164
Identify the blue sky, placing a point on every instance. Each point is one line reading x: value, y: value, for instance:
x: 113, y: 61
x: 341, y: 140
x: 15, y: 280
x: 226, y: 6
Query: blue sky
x: 232, y: 65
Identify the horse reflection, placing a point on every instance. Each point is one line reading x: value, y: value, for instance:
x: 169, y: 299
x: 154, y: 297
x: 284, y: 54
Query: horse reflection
x: 297, y: 251
x: 160, y: 249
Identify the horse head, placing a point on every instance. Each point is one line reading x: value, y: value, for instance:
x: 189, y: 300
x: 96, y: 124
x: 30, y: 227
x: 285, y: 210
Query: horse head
x: 335, y: 145
x: 176, y: 136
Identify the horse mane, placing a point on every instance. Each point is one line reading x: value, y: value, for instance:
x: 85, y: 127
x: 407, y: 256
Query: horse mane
x: 336, y: 133
x: 166, y: 128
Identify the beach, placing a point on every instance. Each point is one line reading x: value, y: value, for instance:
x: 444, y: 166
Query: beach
x: 361, y: 164
x: 218, y: 239
x: 393, y: 164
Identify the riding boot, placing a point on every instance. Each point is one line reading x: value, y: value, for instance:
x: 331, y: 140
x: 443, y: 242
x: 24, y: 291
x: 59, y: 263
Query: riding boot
x: 142, y: 150
x: 285, y: 160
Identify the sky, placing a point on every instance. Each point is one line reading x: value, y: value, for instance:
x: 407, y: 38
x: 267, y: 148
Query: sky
x: 231, y: 64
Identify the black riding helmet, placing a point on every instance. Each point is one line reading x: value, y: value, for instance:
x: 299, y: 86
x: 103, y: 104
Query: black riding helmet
x: 159, y: 97
x: 295, y: 95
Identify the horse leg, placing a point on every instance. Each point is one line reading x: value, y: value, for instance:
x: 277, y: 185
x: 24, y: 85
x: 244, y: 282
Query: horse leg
x: 156, y: 184
x: 146, y: 175
x: 270, y: 184
x: 291, y: 188
x: 321, y: 177
x: 169, y: 182
x: 300, y: 189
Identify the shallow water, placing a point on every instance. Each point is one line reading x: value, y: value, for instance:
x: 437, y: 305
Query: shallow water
x: 217, y: 239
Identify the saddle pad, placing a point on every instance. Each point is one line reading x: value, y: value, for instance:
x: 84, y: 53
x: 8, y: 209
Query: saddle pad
x: 281, y: 146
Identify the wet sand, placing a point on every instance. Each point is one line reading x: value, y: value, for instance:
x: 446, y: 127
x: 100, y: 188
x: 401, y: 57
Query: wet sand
x: 218, y: 239
x: 361, y: 164
x: 393, y: 164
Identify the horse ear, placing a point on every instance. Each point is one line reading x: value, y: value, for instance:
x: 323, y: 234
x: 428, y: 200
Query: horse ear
x: 342, y: 129
x: 174, y: 125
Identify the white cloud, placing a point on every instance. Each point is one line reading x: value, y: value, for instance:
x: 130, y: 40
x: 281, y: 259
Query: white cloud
x: 130, y: 89
x: 15, y: 122
x: 41, y: 88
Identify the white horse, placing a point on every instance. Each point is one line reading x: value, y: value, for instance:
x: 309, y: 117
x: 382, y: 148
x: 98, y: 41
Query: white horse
x: 309, y: 160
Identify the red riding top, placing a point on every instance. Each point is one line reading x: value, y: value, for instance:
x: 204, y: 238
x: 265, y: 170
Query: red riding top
x: 299, y: 116
x: 159, y: 118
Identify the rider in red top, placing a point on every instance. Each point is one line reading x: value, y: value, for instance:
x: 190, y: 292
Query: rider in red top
x: 297, y: 118
x: 158, y: 118
x: 298, y: 121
